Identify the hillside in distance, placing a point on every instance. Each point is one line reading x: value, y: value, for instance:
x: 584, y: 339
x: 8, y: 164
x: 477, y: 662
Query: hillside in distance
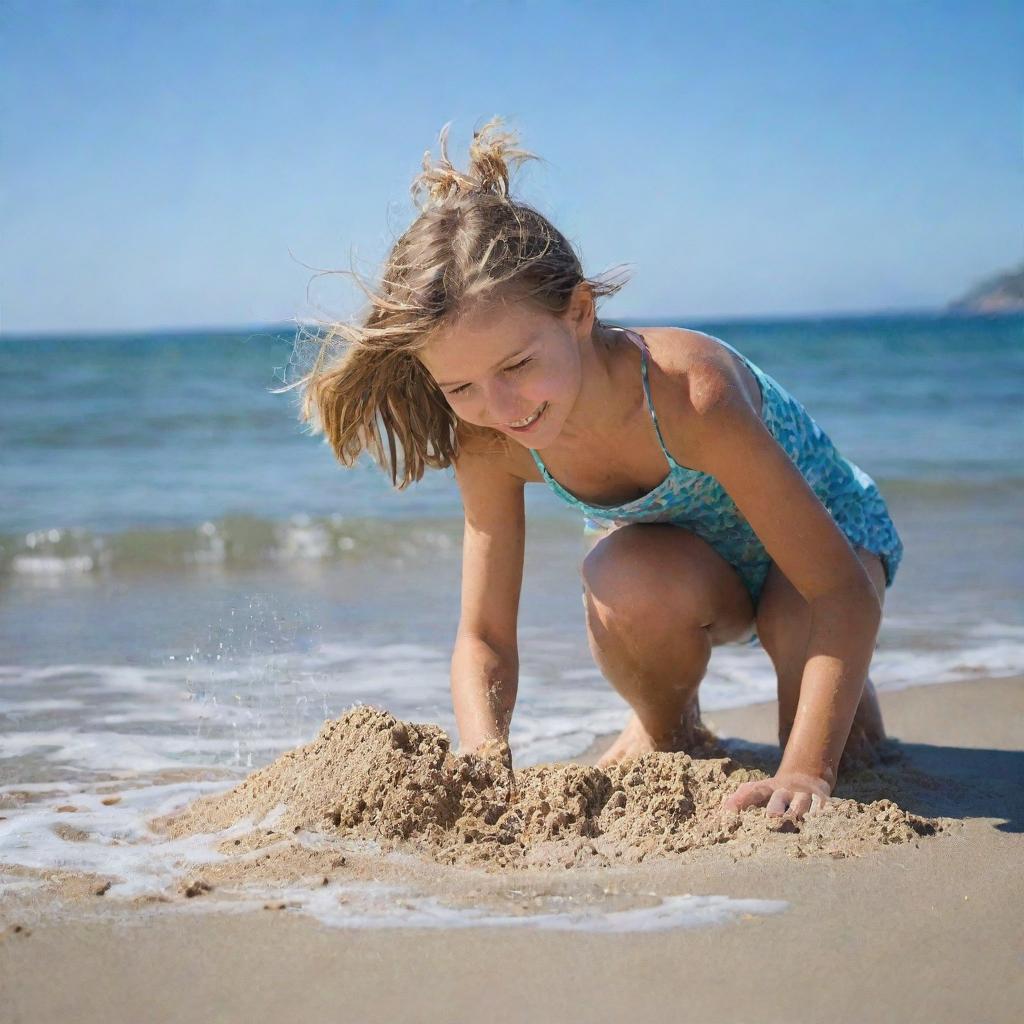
x: 1002, y: 293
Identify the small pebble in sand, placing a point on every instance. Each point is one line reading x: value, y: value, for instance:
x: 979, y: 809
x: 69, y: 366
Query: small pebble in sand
x: 197, y: 887
x: 67, y: 809
x: 101, y: 889
x: 109, y: 801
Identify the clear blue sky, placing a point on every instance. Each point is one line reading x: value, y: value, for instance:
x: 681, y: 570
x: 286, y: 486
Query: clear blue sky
x: 174, y: 163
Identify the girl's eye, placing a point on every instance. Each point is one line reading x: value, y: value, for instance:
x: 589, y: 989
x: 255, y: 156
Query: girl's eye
x: 508, y: 369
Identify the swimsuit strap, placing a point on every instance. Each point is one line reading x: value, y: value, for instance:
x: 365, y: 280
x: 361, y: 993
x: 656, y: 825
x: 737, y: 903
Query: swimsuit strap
x: 644, y: 354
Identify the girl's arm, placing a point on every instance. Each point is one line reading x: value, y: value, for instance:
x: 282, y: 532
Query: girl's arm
x: 485, y: 660
x: 726, y: 437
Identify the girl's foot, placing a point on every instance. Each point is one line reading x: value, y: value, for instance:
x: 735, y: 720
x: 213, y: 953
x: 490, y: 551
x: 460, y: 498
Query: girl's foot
x: 867, y: 742
x: 635, y: 740
x: 864, y: 745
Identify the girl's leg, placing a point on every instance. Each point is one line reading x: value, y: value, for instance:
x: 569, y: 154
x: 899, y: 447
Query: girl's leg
x: 658, y: 598
x: 783, y: 627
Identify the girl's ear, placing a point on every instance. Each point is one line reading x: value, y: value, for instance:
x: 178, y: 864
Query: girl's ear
x: 581, y: 310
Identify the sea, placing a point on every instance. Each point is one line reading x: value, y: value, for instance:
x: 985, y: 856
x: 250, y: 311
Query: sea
x: 190, y: 582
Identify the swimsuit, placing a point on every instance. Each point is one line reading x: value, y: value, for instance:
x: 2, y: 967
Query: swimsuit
x: 698, y: 502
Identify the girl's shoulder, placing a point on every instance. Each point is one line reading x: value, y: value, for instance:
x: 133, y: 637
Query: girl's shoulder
x: 687, y: 371
x: 679, y: 351
x: 688, y: 361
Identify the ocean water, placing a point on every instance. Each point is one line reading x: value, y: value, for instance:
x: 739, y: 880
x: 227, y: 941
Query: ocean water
x: 190, y: 583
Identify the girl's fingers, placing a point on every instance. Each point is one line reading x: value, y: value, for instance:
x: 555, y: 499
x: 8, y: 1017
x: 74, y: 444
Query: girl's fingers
x: 800, y: 805
x: 732, y: 802
x: 750, y: 794
x: 738, y: 800
x: 778, y: 802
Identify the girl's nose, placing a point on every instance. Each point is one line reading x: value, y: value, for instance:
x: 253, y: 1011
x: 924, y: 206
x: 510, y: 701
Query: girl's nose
x: 505, y: 404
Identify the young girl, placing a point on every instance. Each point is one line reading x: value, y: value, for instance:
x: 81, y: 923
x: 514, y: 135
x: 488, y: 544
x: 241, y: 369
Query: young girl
x: 720, y: 511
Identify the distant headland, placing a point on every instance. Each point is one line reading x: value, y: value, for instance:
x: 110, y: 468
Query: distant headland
x: 1003, y: 293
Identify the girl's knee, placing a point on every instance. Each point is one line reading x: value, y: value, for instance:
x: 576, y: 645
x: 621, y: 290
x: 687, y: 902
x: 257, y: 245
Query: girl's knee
x: 624, y: 605
x: 613, y: 563
x: 648, y: 578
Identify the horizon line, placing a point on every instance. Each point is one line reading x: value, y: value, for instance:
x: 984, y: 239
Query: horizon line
x: 631, y: 319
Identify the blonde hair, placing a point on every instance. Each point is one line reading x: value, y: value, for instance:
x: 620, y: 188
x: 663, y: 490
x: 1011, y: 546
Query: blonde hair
x: 471, y: 242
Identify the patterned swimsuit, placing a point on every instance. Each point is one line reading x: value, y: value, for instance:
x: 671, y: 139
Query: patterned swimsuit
x: 698, y: 502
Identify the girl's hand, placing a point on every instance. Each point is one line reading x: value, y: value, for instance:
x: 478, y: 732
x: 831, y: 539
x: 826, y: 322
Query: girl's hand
x: 787, y: 793
x: 492, y: 750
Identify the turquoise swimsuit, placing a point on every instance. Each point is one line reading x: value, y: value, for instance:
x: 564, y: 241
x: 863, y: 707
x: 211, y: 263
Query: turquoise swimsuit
x: 698, y: 502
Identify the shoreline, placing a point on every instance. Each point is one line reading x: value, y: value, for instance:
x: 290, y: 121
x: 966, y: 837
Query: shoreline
x: 919, y: 931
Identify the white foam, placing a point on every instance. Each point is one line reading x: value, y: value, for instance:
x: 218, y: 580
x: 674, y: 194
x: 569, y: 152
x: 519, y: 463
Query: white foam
x: 244, y: 711
x: 43, y: 565
x: 100, y: 751
x: 366, y: 907
x: 898, y: 669
x: 117, y: 843
x: 20, y: 708
x: 999, y: 630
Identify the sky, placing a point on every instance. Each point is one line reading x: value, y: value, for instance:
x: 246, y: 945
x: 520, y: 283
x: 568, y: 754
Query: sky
x: 194, y: 164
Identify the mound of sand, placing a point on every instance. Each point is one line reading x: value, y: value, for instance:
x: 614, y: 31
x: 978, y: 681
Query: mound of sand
x: 368, y: 775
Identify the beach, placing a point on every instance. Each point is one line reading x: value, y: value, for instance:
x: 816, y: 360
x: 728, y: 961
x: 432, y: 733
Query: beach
x: 243, y: 590
x: 927, y: 930
x: 225, y: 786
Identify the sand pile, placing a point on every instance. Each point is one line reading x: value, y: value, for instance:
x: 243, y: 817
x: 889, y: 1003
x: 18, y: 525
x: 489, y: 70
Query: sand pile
x: 368, y: 775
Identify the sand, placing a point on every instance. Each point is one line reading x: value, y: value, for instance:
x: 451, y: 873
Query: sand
x: 925, y: 927
x: 369, y: 776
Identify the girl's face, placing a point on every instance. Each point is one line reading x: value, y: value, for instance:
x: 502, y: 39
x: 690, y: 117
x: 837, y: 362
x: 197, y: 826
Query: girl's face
x: 510, y: 367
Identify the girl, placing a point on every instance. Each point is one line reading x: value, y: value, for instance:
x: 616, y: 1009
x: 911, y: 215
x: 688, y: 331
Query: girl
x: 720, y: 511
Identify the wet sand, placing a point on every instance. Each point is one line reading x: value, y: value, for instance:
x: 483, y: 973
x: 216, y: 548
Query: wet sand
x: 920, y: 930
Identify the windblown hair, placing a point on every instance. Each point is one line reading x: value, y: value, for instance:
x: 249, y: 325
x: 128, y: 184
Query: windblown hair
x: 471, y: 242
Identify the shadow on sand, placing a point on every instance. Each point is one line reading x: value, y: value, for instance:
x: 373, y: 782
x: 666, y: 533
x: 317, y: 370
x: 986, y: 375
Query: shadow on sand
x: 924, y: 778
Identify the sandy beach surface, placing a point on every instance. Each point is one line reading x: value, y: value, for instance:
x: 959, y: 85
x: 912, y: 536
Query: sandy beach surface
x: 924, y: 928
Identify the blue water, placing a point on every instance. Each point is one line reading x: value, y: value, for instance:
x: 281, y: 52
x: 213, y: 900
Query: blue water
x: 158, y: 430
x: 189, y: 578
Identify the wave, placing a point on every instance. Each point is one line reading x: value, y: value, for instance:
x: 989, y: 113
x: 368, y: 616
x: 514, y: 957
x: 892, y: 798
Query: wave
x: 244, y: 541
x: 231, y: 542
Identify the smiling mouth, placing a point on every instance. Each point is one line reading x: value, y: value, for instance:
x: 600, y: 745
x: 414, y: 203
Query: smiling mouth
x: 525, y: 424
